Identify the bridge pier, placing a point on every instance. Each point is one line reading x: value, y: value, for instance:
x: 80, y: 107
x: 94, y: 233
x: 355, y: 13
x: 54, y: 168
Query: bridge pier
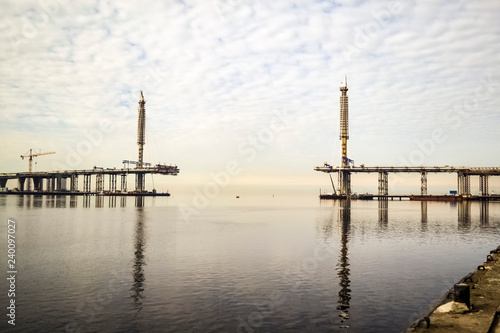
x: 21, y: 181
x: 3, y: 184
x: 99, y: 183
x: 50, y: 180
x: 87, y: 180
x: 140, y: 182
x: 463, y: 183
x: 112, y: 183
x: 483, y: 185
x: 38, y: 184
x: 74, y: 182
x: 423, y: 183
x: 123, y: 185
x: 383, y: 183
x: 345, y: 183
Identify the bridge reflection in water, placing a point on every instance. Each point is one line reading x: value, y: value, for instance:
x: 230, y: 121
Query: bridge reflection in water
x: 32, y: 201
x: 343, y: 221
x: 343, y: 270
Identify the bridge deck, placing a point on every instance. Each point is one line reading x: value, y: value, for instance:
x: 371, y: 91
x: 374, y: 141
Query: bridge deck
x: 437, y: 169
x: 163, y: 170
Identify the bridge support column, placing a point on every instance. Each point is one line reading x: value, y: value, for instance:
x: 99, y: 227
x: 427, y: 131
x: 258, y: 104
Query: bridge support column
x: 38, y: 184
x: 58, y: 184
x: 123, y: 185
x: 99, y: 182
x: 74, y: 182
x: 87, y: 180
x: 140, y: 182
x: 345, y: 183
x: 21, y: 183
x: 423, y: 183
x: 483, y: 185
x: 3, y: 184
x: 383, y: 183
x: 463, y: 184
x: 112, y: 182
x: 50, y: 183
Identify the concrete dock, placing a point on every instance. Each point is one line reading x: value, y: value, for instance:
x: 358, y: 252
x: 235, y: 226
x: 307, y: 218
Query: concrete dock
x: 483, y: 314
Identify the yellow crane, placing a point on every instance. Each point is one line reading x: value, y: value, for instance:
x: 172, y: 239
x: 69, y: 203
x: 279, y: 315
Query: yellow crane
x: 31, y: 155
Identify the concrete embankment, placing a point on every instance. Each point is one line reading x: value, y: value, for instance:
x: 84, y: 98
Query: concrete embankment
x: 480, y: 315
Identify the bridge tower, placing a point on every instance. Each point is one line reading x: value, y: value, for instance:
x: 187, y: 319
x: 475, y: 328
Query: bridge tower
x: 141, y: 141
x: 344, y: 175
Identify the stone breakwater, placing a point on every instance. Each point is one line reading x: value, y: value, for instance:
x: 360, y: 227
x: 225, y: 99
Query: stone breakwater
x: 482, y: 312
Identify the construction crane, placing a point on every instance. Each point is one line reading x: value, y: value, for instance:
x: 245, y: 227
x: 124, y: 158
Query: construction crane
x: 31, y: 155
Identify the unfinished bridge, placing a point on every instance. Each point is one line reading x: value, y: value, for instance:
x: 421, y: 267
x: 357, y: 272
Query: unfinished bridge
x: 344, y: 171
x: 96, y: 180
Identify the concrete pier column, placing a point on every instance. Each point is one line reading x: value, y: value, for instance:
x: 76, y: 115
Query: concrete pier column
x: 140, y: 181
x: 483, y: 185
x: 3, y: 184
x: 112, y: 183
x: 463, y: 184
x: 50, y: 181
x: 38, y: 184
x: 74, y: 182
x: 123, y: 185
x: 58, y: 183
x: 87, y: 180
x: 423, y: 183
x: 383, y: 183
x: 99, y: 182
x: 345, y: 183
x: 21, y: 183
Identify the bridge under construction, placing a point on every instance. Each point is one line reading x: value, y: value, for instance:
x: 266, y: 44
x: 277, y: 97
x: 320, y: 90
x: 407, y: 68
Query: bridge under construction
x: 347, y: 168
x: 56, y: 182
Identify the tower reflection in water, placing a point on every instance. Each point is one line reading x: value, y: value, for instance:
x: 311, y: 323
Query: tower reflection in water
x: 343, y: 264
x: 137, y: 288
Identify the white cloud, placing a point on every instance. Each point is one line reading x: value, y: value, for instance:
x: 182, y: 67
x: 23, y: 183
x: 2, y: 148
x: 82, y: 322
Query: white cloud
x: 214, y: 71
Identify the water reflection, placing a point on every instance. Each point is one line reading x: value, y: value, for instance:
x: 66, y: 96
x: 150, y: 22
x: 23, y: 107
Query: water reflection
x: 383, y: 213
x: 112, y: 201
x: 60, y: 201
x: 139, y: 262
x: 86, y: 201
x: 99, y: 201
x: 49, y: 201
x: 484, y: 215
x: 423, y: 213
x: 343, y: 270
x: 73, y: 201
x: 464, y: 212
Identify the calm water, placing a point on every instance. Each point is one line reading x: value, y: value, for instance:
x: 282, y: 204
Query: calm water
x: 254, y: 264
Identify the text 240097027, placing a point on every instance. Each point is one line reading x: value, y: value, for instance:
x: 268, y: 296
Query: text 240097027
x: 11, y: 272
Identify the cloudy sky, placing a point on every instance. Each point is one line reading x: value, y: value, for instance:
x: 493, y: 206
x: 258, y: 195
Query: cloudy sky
x: 251, y: 82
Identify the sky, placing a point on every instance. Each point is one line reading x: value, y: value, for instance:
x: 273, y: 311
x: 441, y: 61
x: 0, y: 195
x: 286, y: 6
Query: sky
x: 249, y: 88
